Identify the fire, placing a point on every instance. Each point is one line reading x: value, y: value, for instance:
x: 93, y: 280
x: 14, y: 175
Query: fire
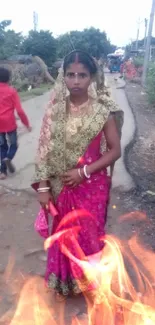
x: 122, y: 281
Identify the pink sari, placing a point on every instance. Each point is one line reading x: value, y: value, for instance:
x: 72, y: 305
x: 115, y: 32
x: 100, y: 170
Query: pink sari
x: 63, y: 274
x: 67, y: 142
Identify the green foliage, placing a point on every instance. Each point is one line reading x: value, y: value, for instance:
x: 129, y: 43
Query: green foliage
x: 11, y: 44
x: 44, y: 45
x: 10, y: 41
x: 151, y: 83
x: 41, y: 44
x: 21, y: 85
x: 92, y: 40
x: 24, y: 94
x: 138, y: 62
x: 4, y: 24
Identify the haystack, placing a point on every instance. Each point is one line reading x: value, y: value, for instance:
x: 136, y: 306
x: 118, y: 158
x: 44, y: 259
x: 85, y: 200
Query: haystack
x: 27, y: 71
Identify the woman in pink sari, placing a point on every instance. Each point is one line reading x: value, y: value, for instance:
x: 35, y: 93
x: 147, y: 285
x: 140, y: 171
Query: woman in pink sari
x: 78, y: 141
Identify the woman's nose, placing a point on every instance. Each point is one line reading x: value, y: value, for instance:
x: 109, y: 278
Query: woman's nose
x: 76, y: 80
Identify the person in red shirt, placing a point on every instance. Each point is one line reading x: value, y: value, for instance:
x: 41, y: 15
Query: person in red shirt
x: 9, y: 102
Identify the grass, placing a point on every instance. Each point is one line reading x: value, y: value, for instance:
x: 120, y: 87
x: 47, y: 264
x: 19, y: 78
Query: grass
x: 28, y: 94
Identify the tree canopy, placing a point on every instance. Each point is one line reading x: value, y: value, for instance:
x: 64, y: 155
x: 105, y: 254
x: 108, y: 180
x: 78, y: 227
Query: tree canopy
x: 43, y: 44
x: 10, y: 41
x: 92, y: 40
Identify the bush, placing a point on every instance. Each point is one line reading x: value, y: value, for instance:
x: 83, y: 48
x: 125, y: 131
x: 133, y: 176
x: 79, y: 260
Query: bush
x: 138, y: 62
x: 151, y: 83
x: 21, y: 85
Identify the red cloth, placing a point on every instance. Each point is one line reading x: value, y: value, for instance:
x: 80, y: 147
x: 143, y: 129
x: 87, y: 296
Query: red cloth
x: 9, y: 101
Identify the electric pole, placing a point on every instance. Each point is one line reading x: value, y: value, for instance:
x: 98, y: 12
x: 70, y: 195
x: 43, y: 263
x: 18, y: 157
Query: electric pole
x: 35, y: 20
x: 145, y: 35
x: 148, y: 43
x: 137, y: 38
x: 138, y: 29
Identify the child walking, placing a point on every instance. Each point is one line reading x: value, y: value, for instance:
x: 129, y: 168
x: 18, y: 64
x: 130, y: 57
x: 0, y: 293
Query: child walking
x: 9, y: 101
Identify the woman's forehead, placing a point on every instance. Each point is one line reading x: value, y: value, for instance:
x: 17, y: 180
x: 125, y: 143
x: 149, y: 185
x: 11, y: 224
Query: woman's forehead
x: 76, y: 68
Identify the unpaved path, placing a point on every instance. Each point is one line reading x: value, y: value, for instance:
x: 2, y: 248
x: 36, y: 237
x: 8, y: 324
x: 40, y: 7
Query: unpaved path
x: 24, y: 159
x: 121, y: 176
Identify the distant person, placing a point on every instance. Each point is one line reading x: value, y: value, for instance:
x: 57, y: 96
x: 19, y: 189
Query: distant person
x: 9, y: 101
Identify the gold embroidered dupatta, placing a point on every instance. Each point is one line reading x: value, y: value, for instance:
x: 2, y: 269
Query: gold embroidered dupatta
x: 64, y: 138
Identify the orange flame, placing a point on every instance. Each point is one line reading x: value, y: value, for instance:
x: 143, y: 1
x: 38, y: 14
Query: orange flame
x: 123, y: 277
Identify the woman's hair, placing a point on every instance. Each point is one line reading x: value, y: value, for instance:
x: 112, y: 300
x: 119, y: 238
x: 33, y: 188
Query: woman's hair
x: 4, y: 75
x: 78, y: 56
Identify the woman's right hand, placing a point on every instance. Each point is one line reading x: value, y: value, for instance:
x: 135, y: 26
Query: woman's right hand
x: 44, y: 199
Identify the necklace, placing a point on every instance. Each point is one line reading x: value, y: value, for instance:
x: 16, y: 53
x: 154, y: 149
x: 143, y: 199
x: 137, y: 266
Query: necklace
x: 76, y: 118
x: 79, y: 110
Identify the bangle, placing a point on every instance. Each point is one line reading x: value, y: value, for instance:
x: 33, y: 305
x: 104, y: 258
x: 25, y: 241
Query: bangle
x: 85, y: 171
x: 43, y: 189
x: 79, y: 172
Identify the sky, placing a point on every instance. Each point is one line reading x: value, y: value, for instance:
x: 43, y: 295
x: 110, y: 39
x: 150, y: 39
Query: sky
x: 117, y: 17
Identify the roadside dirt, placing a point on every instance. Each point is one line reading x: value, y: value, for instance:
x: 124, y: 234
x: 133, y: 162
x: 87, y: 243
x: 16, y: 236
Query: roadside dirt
x: 141, y: 156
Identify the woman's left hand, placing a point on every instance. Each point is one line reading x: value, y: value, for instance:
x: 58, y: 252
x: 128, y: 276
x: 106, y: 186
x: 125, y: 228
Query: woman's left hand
x: 72, y: 178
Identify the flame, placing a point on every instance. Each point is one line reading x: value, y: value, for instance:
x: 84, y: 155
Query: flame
x: 122, y: 282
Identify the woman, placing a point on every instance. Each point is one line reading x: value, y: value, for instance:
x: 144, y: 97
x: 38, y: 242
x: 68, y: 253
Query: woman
x: 78, y: 141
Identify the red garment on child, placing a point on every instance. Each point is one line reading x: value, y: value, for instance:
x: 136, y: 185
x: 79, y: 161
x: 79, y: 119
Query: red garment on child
x: 9, y: 102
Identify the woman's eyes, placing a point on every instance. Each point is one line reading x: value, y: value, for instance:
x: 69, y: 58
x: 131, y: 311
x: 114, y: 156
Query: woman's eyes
x: 83, y: 75
x: 70, y: 75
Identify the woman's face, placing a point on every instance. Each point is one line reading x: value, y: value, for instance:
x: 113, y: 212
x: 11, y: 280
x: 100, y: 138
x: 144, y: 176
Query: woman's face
x: 77, y: 78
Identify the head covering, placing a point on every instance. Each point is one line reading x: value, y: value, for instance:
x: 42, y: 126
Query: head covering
x: 55, y: 153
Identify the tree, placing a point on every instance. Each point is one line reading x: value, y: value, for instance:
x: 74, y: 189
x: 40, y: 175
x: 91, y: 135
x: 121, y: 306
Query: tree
x: 10, y: 41
x: 3, y: 25
x: 91, y: 40
x: 64, y: 45
x: 41, y: 44
x: 44, y: 45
